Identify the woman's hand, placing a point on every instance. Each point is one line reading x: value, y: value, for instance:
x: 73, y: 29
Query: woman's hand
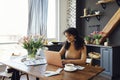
x: 64, y: 61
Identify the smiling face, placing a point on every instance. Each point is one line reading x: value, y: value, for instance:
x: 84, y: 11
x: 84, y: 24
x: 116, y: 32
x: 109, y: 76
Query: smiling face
x: 69, y: 37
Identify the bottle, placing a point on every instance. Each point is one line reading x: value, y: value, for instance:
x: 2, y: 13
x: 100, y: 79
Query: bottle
x: 85, y: 11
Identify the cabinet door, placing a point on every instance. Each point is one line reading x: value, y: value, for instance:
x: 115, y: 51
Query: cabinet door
x: 106, y: 60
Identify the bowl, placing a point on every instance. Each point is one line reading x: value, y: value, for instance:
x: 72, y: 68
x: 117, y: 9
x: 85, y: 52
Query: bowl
x: 97, y: 12
x: 55, y: 43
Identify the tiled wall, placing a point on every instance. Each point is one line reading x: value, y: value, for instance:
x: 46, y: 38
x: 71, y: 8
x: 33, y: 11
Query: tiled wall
x: 71, y: 13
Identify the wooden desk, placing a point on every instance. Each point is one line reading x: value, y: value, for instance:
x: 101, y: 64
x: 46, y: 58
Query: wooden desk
x: 38, y: 71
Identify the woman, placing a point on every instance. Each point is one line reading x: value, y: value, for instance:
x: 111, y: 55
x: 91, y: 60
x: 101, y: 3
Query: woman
x: 74, y: 48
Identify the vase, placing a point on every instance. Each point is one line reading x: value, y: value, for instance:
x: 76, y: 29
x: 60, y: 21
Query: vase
x: 87, y: 42
x: 31, y: 54
x: 97, y: 41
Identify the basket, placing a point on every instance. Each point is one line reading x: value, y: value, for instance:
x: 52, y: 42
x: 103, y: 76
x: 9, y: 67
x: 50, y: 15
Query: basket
x: 94, y: 55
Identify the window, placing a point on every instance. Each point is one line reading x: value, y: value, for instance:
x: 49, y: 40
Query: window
x: 13, y: 19
x: 52, y: 25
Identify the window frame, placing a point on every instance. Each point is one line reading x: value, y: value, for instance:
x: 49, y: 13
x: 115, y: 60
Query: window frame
x: 57, y: 23
x: 9, y: 38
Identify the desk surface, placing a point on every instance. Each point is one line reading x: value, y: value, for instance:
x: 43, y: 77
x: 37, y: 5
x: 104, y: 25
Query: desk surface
x: 38, y: 71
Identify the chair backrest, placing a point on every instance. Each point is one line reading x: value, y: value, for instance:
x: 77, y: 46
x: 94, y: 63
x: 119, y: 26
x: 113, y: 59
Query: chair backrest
x: 5, y: 74
x: 2, y: 67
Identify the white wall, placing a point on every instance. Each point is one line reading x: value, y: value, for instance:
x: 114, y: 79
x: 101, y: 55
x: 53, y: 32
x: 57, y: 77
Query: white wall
x: 67, y: 16
x: 62, y: 18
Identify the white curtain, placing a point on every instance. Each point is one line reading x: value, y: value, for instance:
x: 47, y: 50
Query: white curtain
x: 37, y: 23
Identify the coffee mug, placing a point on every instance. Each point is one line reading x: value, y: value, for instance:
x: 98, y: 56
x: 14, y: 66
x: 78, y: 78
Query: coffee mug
x: 69, y: 66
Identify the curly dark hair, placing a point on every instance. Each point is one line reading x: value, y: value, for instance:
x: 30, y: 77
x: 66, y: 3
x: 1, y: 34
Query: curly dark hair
x: 79, y: 41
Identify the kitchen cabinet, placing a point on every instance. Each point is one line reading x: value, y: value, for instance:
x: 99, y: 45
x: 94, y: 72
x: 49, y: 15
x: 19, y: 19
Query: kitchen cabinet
x: 110, y: 57
x: 106, y: 60
x: 54, y: 47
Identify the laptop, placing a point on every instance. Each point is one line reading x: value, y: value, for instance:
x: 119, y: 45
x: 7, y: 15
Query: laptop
x: 53, y: 58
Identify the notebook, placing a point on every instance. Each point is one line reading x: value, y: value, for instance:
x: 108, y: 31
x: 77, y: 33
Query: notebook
x: 35, y: 62
x: 53, y: 58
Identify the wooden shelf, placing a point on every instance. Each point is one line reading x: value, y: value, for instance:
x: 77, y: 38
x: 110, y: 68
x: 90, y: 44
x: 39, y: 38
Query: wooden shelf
x: 103, y: 2
x: 90, y: 15
x: 93, y: 15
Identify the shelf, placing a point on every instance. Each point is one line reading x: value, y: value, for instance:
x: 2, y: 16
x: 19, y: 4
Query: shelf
x: 103, y: 2
x: 93, y: 15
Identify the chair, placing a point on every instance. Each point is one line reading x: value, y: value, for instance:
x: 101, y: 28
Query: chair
x: 5, y: 74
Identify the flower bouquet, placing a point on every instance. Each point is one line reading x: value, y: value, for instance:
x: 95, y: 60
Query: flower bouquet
x: 32, y: 44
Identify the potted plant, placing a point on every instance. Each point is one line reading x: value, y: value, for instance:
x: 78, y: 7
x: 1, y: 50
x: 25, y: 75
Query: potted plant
x: 87, y: 39
x: 97, y: 36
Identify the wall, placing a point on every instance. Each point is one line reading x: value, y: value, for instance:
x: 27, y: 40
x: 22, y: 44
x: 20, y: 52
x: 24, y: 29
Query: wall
x: 84, y: 26
x: 71, y: 13
x: 62, y: 18
x: 67, y: 16
x: 80, y: 23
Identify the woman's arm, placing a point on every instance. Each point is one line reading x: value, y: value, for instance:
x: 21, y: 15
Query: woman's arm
x: 62, y: 51
x: 78, y: 61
